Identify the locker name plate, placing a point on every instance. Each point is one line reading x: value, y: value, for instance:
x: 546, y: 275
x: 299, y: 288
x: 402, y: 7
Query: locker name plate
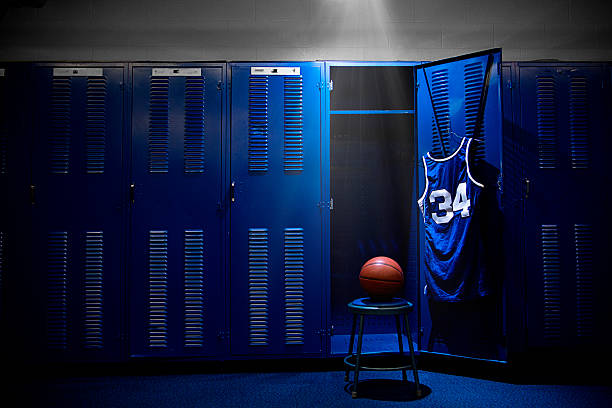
x: 182, y: 72
x: 275, y: 70
x: 78, y: 72
x: 1, y: 72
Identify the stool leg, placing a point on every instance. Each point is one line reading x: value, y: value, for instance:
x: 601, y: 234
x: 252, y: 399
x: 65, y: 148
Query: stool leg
x: 414, y: 367
x: 398, y: 325
x: 350, y: 352
x: 358, y: 358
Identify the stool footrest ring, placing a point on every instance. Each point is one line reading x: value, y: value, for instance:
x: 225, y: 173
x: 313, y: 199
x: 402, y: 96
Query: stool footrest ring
x: 386, y: 361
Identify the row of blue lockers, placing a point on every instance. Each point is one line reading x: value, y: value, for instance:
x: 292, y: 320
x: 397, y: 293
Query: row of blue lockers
x: 117, y: 239
x: 116, y: 234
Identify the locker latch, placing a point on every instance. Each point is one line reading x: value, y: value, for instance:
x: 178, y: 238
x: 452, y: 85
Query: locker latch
x: 132, y: 193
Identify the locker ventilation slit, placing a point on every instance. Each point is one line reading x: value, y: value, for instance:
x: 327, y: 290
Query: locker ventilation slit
x: 258, y: 286
x: 194, y: 288
x: 473, y: 76
x: 194, y: 125
x: 60, y: 132
x: 579, y: 123
x: 439, y: 92
x: 96, y: 124
x: 258, y: 123
x: 551, y: 268
x: 585, y: 291
x: 294, y: 286
x: 3, y: 127
x: 294, y: 142
x: 94, y: 289
x: 158, y: 125
x: 546, y: 120
x: 57, y: 290
x: 158, y: 289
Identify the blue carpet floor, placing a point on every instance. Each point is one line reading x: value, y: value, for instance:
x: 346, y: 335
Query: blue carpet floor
x: 292, y: 389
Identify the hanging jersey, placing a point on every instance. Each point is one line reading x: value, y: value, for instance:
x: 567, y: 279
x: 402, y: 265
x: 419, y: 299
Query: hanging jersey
x: 454, y: 269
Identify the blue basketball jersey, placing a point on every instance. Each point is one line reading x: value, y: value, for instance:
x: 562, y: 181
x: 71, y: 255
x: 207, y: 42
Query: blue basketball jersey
x: 454, y: 269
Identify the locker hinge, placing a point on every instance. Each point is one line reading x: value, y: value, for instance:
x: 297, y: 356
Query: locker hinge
x: 326, y: 85
x: 326, y: 204
x: 325, y: 332
x: 32, y: 194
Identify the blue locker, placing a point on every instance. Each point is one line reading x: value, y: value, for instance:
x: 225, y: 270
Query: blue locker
x: 513, y: 200
x: 176, y: 274
x: 77, y: 210
x: 448, y: 107
x: 15, y: 205
x: 276, y: 209
x: 563, y: 113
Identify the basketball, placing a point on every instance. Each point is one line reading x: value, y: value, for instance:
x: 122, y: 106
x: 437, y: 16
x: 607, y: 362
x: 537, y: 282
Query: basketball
x: 381, y: 277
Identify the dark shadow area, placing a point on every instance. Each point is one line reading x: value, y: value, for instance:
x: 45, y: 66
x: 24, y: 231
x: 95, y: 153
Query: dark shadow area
x: 382, y: 389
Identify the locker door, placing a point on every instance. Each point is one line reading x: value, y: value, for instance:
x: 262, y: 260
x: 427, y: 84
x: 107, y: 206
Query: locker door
x: 176, y: 291
x: 276, y: 268
x: 77, y: 209
x: 15, y: 207
x: 449, y: 95
x: 563, y: 111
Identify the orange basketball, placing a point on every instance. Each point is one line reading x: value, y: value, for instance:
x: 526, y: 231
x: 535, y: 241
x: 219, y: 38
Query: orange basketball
x: 381, y: 277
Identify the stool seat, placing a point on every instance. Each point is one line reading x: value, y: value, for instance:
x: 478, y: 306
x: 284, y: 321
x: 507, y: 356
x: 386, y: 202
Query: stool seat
x: 397, y: 307
x: 369, y: 306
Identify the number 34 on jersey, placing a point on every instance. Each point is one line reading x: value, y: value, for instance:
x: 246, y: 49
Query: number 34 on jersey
x: 448, y: 207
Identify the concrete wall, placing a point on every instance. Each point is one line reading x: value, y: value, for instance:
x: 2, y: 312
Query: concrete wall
x: 184, y: 30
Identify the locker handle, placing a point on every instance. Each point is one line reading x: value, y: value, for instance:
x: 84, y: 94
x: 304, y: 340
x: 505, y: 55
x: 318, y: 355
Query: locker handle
x: 132, y: 193
x: 233, y: 192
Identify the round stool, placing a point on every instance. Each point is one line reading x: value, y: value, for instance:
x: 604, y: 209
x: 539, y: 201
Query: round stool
x: 380, y: 361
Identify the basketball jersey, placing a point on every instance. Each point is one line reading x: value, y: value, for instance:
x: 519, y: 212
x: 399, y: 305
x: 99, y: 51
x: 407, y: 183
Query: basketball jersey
x: 454, y: 270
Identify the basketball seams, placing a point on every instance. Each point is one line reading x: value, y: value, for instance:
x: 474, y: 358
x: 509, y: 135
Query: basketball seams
x: 380, y: 280
x: 381, y: 263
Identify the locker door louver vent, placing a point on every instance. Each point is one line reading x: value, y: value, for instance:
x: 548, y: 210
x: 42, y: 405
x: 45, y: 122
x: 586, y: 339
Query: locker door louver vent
x: 158, y: 289
x: 439, y: 92
x: 3, y: 127
x: 258, y: 123
x: 579, y: 123
x: 258, y: 286
x: 59, y: 138
x: 194, y: 288
x: 547, y: 122
x: 94, y: 289
x: 194, y: 125
x: 294, y: 142
x: 294, y: 286
x: 473, y: 78
x: 158, y: 125
x: 96, y: 124
x: 551, y: 269
x: 57, y: 288
x: 585, y: 293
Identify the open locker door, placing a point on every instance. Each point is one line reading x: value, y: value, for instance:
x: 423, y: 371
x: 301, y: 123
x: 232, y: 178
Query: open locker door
x: 460, y: 98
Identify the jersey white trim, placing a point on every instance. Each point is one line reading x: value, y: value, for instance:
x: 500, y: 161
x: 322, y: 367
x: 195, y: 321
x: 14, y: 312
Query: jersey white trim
x: 449, y: 157
x: 420, y: 200
x: 467, y: 164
